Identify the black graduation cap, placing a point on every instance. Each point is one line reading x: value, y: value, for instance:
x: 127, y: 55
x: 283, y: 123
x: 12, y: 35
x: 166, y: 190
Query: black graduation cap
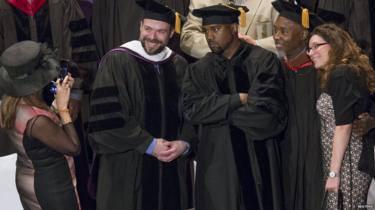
x: 298, y: 14
x: 222, y: 14
x: 157, y: 11
x: 330, y: 16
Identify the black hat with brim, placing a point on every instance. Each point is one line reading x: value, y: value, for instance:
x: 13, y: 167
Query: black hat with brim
x: 26, y: 67
x: 220, y: 14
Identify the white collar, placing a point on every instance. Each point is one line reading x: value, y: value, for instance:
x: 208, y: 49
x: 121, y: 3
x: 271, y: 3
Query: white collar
x: 136, y: 46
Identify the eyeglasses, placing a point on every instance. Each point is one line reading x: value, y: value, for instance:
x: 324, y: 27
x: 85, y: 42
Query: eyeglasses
x: 315, y: 46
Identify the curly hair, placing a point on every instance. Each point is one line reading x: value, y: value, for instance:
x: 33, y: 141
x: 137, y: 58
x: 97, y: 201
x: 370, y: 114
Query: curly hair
x: 344, y: 51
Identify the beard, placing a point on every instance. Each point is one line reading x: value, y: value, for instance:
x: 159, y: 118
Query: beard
x: 152, y: 51
x: 215, y: 48
x: 280, y: 50
x: 281, y: 54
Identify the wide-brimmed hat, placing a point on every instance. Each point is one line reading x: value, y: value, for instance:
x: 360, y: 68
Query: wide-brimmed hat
x: 26, y: 67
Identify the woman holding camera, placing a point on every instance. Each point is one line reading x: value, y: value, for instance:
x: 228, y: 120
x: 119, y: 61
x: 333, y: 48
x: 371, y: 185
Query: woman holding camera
x: 44, y: 140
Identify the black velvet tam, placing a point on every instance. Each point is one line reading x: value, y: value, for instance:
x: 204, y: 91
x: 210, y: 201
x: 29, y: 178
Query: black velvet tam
x: 220, y: 14
x: 157, y: 11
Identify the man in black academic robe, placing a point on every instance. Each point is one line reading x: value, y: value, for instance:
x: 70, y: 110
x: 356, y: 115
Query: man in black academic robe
x: 235, y: 97
x: 301, y: 155
x: 135, y: 122
x: 58, y: 23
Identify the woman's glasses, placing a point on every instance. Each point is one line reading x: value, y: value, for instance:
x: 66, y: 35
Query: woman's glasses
x: 315, y: 46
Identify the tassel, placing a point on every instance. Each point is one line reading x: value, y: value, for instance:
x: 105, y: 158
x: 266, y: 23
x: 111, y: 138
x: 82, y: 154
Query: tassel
x: 305, y: 18
x: 242, y: 17
x: 177, y: 26
x: 242, y: 14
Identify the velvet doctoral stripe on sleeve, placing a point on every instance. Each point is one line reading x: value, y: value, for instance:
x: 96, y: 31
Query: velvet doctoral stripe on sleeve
x: 114, y: 125
x: 82, y: 42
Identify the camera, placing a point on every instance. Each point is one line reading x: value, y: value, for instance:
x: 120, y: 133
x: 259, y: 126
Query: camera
x: 50, y: 89
x: 63, y: 71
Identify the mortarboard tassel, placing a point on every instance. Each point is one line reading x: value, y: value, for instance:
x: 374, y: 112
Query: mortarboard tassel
x: 177, y: 27
x: 242, y: 14
x: 242, y: 17
x: 305, y: 18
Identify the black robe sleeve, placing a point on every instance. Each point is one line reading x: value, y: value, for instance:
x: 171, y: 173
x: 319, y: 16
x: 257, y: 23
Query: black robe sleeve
x: 264, y: 115
x: 114, y: 125
x: 202, y: 102
x: 344, y: 93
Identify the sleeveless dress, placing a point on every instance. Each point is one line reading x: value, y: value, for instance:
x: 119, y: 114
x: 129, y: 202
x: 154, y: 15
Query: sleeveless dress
x: 343, y: 101
x: 45, y: 178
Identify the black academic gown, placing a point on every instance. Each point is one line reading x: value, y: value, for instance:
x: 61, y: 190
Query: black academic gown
x: 300, y: 149
x: 135, y: 100
x: 238, y: 165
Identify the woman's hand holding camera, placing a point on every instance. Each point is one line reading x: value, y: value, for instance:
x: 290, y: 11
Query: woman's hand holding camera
x: 62, y: 97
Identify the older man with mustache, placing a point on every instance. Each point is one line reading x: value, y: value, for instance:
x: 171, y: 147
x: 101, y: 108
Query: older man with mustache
x: 300, y: 149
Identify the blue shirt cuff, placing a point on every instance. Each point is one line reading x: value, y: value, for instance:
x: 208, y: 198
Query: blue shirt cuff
x: 151, y: 147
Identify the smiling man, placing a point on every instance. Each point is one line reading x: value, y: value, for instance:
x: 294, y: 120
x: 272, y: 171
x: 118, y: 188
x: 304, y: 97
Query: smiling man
x: 300, y: 149
x: 135, y: 122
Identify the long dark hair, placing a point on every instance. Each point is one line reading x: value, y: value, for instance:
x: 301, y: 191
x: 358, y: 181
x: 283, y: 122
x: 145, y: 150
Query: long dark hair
x: 344, y: 51
x: 9, y: 106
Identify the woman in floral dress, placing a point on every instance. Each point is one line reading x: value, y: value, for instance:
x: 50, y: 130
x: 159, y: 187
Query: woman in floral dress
x: 346, y: 80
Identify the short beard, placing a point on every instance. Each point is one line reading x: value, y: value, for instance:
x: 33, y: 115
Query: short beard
x: 157, y: 51
x: 216, y: 49
x: 281, y: 55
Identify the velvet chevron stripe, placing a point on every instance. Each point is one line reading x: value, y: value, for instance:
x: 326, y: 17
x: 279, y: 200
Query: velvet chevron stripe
x: 83, y: 57
x: 78, y: 25
x: 107, y: 124
x: 82, y: 40
x: 105, y: 108
x: 104, y: 92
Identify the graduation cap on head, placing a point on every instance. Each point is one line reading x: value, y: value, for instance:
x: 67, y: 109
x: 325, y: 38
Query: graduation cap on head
x: 305, y: 17
x: 157, y: 11
x: 222, y: 14
x: 298, y: 14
